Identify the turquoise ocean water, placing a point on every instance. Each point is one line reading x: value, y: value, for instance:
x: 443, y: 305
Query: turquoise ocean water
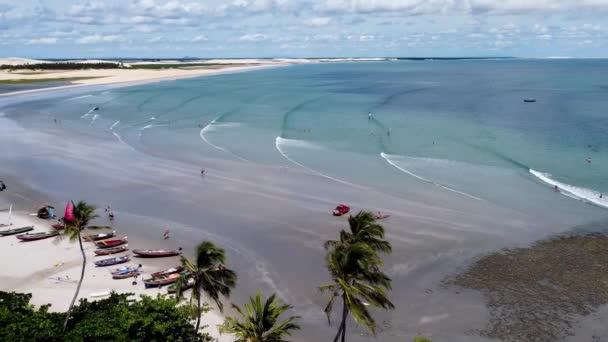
x: 459, y: 126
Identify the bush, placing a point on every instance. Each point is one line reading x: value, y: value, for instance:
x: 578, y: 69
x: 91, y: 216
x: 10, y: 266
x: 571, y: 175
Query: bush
x: 116, y: 318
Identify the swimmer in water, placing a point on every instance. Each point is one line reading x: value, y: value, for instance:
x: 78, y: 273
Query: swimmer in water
x: 369, y: 116
x: 556, y: 188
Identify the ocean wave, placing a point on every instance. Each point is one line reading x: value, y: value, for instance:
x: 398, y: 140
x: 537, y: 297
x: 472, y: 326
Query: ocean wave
x: 280, y: 142
x: 87, y: 113
x: 388, y: 159
x: 114, y: 125
x: 79, y: 97
x: 211, y: 127
x: 93, y: 119
x: 572, y: 191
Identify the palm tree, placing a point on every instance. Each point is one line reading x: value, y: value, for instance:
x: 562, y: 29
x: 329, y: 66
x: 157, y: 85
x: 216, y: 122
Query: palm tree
x: 363, y: 228
x: 259, y: 322
x: 83, y: 213
x: 210, y: 276
x: 357, y: 279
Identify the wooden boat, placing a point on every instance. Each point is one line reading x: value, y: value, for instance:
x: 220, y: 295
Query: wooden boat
x: 111, y: 243
x: 112, y: 261
x: 125, y: 272
x: 173, y: 287
x: 156, y: 253
x: 108, y: 251
x: 340, y: 210
x: 162, y: 280
x: 16, y: 231
x: 100, y: 236
x: 37, y: 236
x: 176, y: 269
x: 58, y: 226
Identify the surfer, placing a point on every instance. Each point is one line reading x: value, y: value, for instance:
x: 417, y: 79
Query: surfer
x: 2, y: 186
x: 388, y: 133
x: 369, y: 116
x: 202, y: 172
x: 588, y: 160
x: 556, y: 188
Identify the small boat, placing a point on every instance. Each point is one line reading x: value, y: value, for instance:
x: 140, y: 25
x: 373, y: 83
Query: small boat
x: 341, y: 209
x: 95, y: 109
x: 176, y: 269
x: 100, y: 294
x: 162, y: 280
x: 16, y: 231
x: 100, y: 236
x: 111, y: 243
x: 125, y: 272
x: 529, y: 100
x: 37, y: 236
x: 156, y: 253
x: 108, y: 251
x: 381, y: 216
x: 112, y: 261
x: 173, y: 288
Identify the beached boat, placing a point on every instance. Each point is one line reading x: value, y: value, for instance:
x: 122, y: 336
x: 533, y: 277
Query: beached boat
x: 100, y: 236
x: 340, y: 210
x: 176, y: 269
x: 125, y: 272
x: 156, y: 253
x: 37, y: 236
x: 108, y: 251
x: 173, y: 287
x: 112, y: 261
x: 58, y: 226
x: 16, y: 231
x: 161, y: 281
x: 111, y: 243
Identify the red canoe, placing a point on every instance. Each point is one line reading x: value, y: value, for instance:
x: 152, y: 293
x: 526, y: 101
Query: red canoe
x: 111, y: 243
x: 156, y: 253
x: 175, y: 269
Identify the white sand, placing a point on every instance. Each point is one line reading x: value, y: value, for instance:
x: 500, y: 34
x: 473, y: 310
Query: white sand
x: 50, y: 269
x: 118, y: 76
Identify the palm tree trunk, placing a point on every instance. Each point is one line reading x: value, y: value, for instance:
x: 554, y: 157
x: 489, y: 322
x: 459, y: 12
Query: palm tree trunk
x: 84, y: 264
x: 198, y: 313
x: 342, y: 329
x: 344, y: 316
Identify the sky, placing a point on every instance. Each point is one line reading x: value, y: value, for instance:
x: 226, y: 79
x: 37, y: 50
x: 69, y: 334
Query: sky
x: 303, y: 28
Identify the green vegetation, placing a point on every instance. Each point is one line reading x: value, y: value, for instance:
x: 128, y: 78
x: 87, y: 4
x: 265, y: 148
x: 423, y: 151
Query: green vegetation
x: 259, y: 321
x: 83, y: 214
x: 210, y: 275
x: 421, y: 339
x: 116, y: 318
x: 42, y: 80
x: 355, y: 268
x: 61, y: 66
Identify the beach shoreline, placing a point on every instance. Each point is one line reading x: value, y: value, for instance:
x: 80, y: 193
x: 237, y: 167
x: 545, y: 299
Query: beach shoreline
x: 126, y: 77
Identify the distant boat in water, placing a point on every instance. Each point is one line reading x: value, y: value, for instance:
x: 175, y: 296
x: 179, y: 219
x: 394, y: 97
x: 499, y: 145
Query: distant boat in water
x: 530, y: 100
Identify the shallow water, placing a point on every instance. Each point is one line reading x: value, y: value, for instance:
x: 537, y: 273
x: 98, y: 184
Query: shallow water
x: 448, y: 151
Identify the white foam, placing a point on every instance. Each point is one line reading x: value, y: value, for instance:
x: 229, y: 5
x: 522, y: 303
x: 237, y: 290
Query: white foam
x: 279, y: 142
x: 211, y: 127
x: 93, y: 119
x: 301, y: 144
x: 572, y: 191
x: 79, y: 97
x: 87, y: 113
x: 392, y: 163
x: 114, y: 125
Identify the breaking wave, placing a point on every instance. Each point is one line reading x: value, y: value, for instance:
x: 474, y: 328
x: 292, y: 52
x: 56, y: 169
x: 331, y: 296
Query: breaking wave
x: 572, y: 191
x: 280, y: 142
x: 79, y: 97
x: 213, y: 126
x: 387, y: 158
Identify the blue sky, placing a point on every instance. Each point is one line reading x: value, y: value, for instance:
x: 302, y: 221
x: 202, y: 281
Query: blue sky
x: 303, y: 28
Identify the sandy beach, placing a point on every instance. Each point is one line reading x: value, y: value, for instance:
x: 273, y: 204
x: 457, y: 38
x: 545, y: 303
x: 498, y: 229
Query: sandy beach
x: 49, y: 269
x: 90, y: 77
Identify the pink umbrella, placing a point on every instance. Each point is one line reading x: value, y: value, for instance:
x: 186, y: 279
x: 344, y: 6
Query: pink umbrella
x: 69, y: 212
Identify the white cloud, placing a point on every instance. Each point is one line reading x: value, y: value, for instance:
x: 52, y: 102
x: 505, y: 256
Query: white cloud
x: 253, y: 37
x: 38, y: 41
x: 96, y: 38
x: 200, y: 38
x: 318, y: 21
